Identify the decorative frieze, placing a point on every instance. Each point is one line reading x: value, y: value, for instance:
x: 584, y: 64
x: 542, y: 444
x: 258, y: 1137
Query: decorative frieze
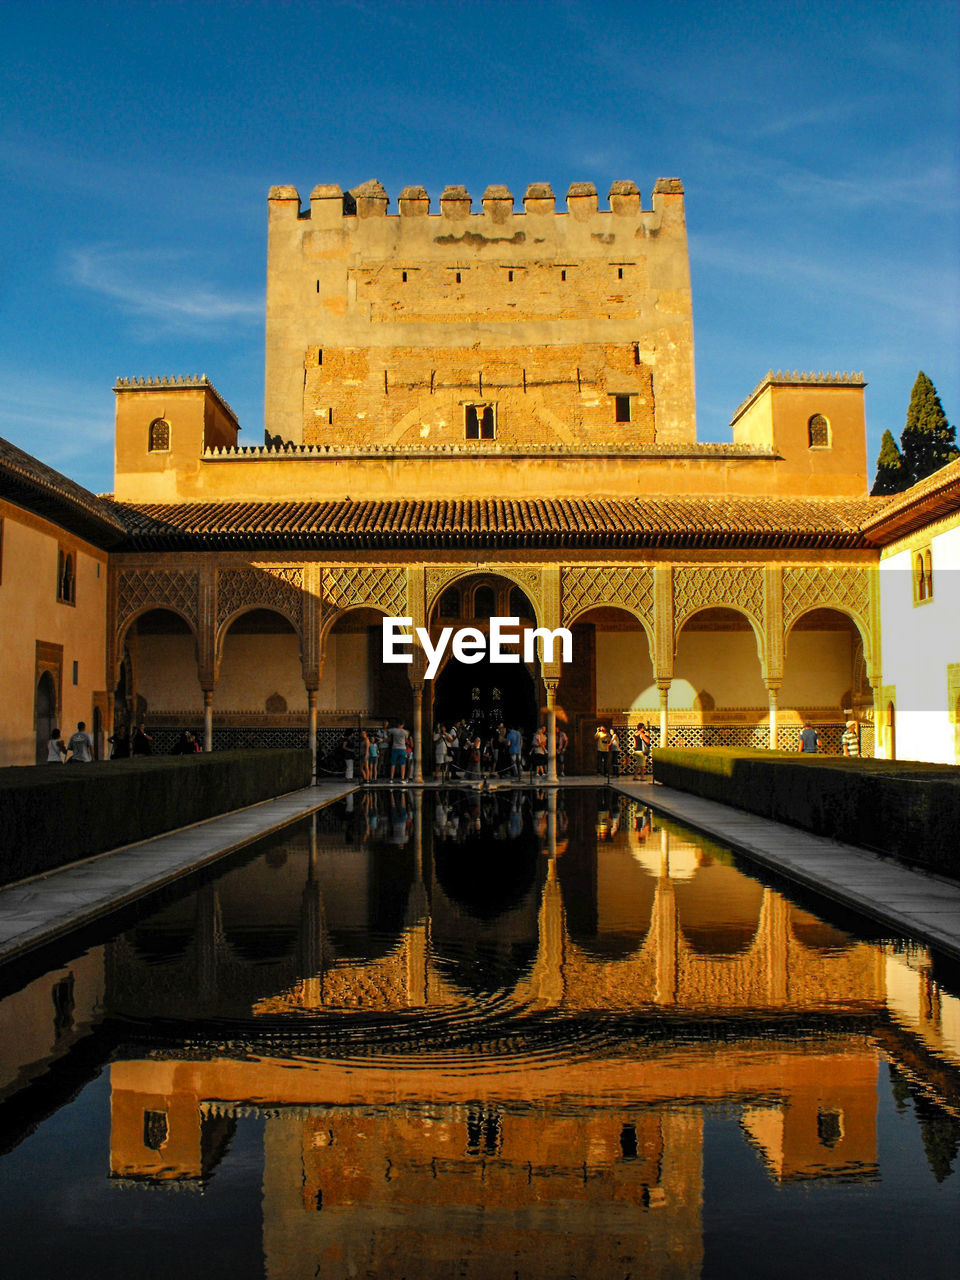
x: 261, y: 587
x: 595, y: 586
x: 366, y: 586
x: 718, y: 586
x: 139, y: 589
x: 820, y: 587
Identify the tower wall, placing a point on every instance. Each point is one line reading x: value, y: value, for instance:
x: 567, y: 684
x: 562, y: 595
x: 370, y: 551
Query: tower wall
x: 571, y: 327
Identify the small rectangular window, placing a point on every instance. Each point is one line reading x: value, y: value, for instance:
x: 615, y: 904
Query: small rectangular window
x: 76, y: 672
x: 510, y: 276
x: 563, y: 275
x: 619, y: 273
x: 622, y: 408
x: 319, y: 356
x: 403, y: 276
x: 636, y: 353
x: 459, y: 277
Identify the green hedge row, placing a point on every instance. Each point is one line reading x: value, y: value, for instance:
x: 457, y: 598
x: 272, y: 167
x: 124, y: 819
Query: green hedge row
x: 54, y: 814
x: 906, y: 809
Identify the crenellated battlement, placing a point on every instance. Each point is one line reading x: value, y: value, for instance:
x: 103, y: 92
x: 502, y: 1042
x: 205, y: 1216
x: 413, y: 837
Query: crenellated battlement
x: 329, y: 202
x: 540, y: 323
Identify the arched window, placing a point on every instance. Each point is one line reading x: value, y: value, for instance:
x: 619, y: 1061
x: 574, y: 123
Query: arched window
x: 483, y: 602
x: 159, y: 436
x: 66, y: 578
x: 818, y: 432
x: 449, y: 606
x: 922, y: 575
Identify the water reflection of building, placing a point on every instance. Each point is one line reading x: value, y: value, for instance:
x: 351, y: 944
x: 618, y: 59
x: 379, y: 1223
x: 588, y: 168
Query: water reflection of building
x: 552, y: 1089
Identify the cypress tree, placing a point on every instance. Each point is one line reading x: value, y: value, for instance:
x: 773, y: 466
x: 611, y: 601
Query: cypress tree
x: 928, y: 440
x: 891, y: 475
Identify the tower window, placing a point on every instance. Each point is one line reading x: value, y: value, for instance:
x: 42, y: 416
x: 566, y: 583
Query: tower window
x: 510, y: 276
x: 563, y: 275
x: 403, y: 276
x: 479, y: 422
x: 818, y: 432
x: 66, y: 578
x: 619, y: 273
x: 159, y: 441
x: 459, y: 277
x: 622, y: 406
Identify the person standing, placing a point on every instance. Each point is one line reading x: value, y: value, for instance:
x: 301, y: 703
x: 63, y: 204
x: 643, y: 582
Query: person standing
x: 81, y: 745
x: 515, y: 747
x: 398, y: 750
x: 120, y: 742
x: 810, y: 742
x: 440, y: 748
x: 641, y: 746
x: 850, y: 742
x: 602, y: 737
x: 614, y: 753
x: 562, y: 742
x: 56, y: 748
x: 142, y: 743
x: 538, y: 753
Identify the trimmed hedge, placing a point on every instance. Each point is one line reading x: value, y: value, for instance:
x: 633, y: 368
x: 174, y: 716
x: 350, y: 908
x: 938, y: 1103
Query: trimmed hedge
x: 54, y: 814
x: 906, y: 809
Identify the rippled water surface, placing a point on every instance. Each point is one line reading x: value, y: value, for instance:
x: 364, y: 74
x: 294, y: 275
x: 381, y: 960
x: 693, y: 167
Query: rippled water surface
x: 505, y: 1035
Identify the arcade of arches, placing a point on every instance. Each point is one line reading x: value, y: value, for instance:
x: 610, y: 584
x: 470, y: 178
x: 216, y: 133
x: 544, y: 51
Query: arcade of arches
x: 706, y: 653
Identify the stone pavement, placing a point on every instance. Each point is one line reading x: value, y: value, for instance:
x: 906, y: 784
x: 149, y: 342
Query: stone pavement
x: 45, y: 907
x: 916, y: 903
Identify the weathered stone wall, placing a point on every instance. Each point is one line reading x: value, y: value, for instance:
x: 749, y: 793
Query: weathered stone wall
x: 368, y: 312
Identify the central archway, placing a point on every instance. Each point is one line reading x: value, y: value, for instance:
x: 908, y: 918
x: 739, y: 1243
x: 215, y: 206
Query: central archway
x: 484, y: 693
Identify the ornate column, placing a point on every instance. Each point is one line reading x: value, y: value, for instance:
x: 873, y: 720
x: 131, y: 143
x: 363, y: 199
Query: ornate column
x: 417, y: 687
x: 550, y: 685
x: 207, y: 647
x: 773, y: 648
x: 664, y: 640
x: 773, y: 692
x: 208, y: 719
x: 312, y: 731
x: 663, y: 688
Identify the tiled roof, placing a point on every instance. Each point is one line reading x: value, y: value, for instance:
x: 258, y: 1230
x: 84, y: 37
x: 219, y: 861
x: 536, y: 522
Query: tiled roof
x: 29, y: 483
x: 928, y: 500
x: 646, y: 522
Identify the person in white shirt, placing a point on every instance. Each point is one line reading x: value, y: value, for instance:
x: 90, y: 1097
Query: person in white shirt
x: 81, y: 745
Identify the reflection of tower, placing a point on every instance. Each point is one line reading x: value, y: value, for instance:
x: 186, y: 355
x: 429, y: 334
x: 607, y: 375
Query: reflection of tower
x: 417, y: 920
x: 546, y: 983
x: 314, y: 945
x: 664, y: 928
x: 774, y: 929
x: 209, y: 937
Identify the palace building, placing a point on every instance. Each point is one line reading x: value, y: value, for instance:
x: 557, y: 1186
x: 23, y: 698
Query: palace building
x: 470, y: 414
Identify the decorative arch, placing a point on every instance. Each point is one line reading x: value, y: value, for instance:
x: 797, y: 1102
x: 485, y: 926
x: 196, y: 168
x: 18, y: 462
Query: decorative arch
x: 330, y: 619
x: 645, y: 620
x: 759, y: 634
x: 438, y: 580
x: 124, y: 625
x: 253, y: 607
x: 859, y: 622
x: 629, y: 588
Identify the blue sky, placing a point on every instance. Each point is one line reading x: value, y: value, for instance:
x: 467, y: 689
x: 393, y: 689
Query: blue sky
x: 817, y: 143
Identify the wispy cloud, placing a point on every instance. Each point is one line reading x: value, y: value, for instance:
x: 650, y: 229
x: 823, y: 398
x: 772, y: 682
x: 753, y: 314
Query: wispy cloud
x: 160, y: 287
x: 64, y: 421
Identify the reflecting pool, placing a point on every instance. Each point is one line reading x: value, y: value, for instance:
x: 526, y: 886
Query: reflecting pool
x: 514, y: 1035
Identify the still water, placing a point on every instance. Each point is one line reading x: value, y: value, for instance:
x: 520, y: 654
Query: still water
x: 519, y: 1036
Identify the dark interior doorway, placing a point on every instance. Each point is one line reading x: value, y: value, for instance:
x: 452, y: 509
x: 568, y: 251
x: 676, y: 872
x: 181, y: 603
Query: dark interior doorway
x: 46, y: 714
x: 484, y: 694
